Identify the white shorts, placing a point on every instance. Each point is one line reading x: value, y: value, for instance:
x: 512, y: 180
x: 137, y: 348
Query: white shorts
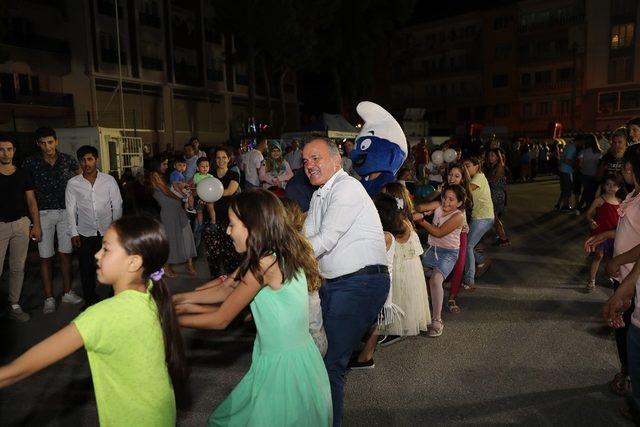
x: 54, y: 221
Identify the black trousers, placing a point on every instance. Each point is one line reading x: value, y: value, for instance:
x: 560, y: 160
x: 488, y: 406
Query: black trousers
x: 89, y: 246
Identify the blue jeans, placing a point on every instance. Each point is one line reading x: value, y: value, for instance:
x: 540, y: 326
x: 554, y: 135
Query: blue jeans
x: 633, y: 354
x: 349, y: 308
x: 477, y: 229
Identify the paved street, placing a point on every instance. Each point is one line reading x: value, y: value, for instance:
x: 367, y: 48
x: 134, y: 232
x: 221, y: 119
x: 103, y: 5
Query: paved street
x: 528, y: 347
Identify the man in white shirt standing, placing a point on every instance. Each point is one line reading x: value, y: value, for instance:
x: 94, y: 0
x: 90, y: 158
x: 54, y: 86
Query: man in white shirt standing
x: 251, y: 162
x: 93, y: 202
x: 295, y: 156
x: 345, y: 231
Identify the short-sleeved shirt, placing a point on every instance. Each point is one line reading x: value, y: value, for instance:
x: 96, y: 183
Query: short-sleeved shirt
x: 252, y: 162
x: 13, y: 188
x: 482, y: 204
x: 200, y: 176
x: 611, y: 164
x: 589, y: 161
x: 222, y: 206
x: 51, y: 181
x: 176, y: 176
x: 125, y: 346
x: 568, y: 155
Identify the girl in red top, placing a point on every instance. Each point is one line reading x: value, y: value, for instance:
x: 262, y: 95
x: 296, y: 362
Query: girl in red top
x: 603, y: 216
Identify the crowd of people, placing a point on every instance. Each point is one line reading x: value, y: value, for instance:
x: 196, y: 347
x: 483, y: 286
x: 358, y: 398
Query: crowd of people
x: 329, y: 273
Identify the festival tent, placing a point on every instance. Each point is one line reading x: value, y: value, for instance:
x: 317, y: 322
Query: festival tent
x: 332, y: 126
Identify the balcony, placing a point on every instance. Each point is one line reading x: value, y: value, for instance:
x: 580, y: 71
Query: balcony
x: 38, y: 42
x: 111, y: 55
x: 242, y: 79
x: 525, y: 58
x: 151, y: 63
x: 436, y: 72
x: 149, y: 20
x: 549, y: 87
x: 552, y: 23
x: 187, y: 74
x: 44, y: 99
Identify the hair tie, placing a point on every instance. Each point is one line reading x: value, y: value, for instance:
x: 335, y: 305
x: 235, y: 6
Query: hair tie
x: 400, y: 203
x: 157, y: 275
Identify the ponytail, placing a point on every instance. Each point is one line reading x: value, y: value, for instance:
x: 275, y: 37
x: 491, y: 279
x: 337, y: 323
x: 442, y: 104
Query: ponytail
x: 173, y: 346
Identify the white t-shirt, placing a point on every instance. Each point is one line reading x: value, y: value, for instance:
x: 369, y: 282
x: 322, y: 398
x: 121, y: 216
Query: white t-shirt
x: 434, y: 172
x: 252, y: 161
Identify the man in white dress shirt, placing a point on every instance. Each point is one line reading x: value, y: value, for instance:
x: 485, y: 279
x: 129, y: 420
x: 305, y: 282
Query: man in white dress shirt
x: 345, y: 231
x: 93, y: 202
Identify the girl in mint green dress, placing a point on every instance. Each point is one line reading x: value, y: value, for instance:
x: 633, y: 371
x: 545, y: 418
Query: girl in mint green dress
x: 287, y: 384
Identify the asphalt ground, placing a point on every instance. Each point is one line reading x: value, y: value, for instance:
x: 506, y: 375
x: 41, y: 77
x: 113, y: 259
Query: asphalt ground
x: 528, y: 347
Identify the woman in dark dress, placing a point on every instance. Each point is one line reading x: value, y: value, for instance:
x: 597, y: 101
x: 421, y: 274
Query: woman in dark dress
x: 221, y: 255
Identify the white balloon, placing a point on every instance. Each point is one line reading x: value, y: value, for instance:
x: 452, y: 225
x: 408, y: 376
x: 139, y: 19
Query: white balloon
x: 450, y: 155
x: 437, y: 158
x: 210, y: 189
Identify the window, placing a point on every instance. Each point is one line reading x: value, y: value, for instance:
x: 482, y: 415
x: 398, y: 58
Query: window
x: 501, y: 22
x: 622, y: 36
x: 543, y: 108
x: 620, y: 69
x: 543, y: 77
x: 630, y: 100
x: 624, y: 8
x: 23, y: 81
x: 564, y: 74
x: 500, y: 80
x: 35, y: 85
x: 527, y: 110
x: 564, y: 105
x: 464, y: 114
x: 501, y: 110
x: 607, y: 102
x: 525, y: 80
x: 503, y: 51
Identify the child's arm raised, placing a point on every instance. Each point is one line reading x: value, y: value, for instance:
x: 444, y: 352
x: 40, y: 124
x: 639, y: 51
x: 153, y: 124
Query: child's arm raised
x: 56, y: 347
x: 447, y: 227
x: 427, y: 207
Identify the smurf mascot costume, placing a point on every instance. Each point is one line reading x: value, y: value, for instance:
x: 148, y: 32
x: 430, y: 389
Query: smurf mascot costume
x: 380, y: 147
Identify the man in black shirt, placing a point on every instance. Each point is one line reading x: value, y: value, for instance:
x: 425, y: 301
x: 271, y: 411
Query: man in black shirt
x: 50, y: 170
x: 18, y: 194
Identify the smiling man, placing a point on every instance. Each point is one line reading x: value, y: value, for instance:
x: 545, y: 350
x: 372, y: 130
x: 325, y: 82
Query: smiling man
x: 345, y: 231
x: 93, y: 202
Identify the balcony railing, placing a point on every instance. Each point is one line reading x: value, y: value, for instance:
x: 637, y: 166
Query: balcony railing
x: 151, y: 63
x: 45, y: 99
x: 551, y: 23
x: 149, y: 20
x: 35, y: 41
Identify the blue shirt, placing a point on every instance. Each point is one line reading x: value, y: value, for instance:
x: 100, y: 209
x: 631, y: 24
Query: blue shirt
x: 176, y: 176
x: 568, y: 155
x: 192, y: 167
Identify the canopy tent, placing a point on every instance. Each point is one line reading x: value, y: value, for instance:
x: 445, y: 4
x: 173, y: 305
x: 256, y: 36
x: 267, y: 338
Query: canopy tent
x: 332, y: 126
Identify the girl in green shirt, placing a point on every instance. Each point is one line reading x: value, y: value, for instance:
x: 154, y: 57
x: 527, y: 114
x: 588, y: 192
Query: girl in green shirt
x: 132, y: 339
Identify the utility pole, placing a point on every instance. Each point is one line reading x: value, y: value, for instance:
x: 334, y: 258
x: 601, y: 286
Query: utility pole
x: 574, y: 55
x: 122, y: 121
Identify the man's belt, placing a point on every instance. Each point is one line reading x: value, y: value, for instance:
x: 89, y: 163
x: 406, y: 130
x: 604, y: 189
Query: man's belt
x: 369, y: 269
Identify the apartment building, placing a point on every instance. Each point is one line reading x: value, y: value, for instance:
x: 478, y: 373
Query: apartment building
x: 177, y: 73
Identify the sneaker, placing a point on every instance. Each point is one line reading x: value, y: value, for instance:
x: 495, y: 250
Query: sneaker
x: 369, y: 364
x: 190, y: 210
x: 49, y: 305
x: 566, y: 209
x: 482, y: 268
x: 469, y: 287
x: 389, y: 339
x: 16, y: 313
x: 591, y: 286
x: 71, y: 298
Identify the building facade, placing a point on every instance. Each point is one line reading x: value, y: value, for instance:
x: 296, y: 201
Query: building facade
x: 526, y: 68
x: 176, y: 70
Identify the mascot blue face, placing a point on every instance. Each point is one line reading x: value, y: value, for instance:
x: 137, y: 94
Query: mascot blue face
x: 381, y: 145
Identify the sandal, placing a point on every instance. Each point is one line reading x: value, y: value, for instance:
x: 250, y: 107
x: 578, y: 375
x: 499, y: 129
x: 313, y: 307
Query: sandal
x: 452, y: 306
x: 434, y: 331
x: 621, y: 384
